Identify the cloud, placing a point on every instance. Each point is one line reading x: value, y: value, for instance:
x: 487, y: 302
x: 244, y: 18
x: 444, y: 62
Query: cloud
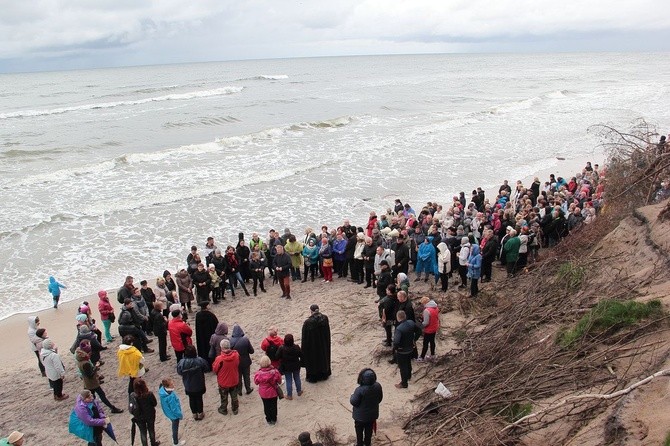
x: 157, y: 31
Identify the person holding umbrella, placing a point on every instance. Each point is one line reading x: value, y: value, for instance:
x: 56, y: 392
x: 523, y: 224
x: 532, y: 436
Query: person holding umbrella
x: 88, y: 420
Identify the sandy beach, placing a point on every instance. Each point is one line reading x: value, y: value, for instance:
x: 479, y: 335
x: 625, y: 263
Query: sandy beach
x: 356, y: 339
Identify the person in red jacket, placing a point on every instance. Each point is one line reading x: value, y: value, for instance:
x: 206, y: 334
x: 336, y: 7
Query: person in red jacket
x: 180, y: 334
x: 226, y: 367
x: 270, y: 346
x: 106, y: 313
x: 430, y: 324
x: 267, y: 379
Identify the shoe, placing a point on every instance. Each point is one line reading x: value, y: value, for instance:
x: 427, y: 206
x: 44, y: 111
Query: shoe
x: 417, y: 279
x: 289, y: 397
x: 247, y: 293
x: 255, y: 294
x: 272, y: 423
x: 401, y: 386
x: 386, y: 343
x: 324, y: 280
x: 264, y: 290
x: 62, y: 397
x: 116, y: 410
x: 392, y: 361
x: 288, y: 297
x: 376, y: 301
x: 303, y: 281
x: 196, y: 416
x: 299, y: 392
x: 283, y: 296
x: 234, y: 411
x: 149, y: 350
x: 366, y: 286
x: 223, y: 411
x: 420, y: 359
x: 250, y: 390
x: 181, y: 443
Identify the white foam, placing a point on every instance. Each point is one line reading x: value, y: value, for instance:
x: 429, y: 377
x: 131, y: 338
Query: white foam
x: 169, y: 97
x: 514, y: 106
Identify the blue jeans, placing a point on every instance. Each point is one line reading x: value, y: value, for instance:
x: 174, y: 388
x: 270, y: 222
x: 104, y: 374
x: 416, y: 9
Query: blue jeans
x: 290, y: 377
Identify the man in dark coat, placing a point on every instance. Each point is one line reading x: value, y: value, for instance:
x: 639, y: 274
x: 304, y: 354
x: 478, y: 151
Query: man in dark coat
x: 406, y: 334
x: 402, y: 256
x: 205, y: 325
x: 316, y: 346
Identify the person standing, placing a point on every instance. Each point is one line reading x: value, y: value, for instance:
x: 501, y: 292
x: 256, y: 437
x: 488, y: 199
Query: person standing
x: 404, y: 340
x: 202, y: 281
x: 130, y: 361
x: 53, y: 366
x: 289, y: 356
x: 226, y: 367
x: 205, y: 326
x: 512, y: 246
x: 430, y: 318
x: 294, y: 249
x: 488, y: 248
x: 192, y: 370
x: 33, y: 326
x: 474, y: 269
x: 316, y: 346
x: 171, y: 407
x: 267, y: 379
x: 159, y: 326
x: 144, y: 416
x: 88, y: 420
x: 106, y: 314
x: 180, y: 334
x: 90, y: 376
x: 326, y: 258
x: 270, y: 345
x: 185, y: 286
x: 257, y: 270
x: 240, y: 343
x: 282, y: 268
x: 365, y: 401
x: 54, y: 288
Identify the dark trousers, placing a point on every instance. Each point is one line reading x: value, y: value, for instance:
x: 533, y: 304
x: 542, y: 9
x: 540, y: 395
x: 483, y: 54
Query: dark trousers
x: 295, y: 273
x: 97, y: 435
x: 444, y: 280
x: 346, y: 265
x: 487, y: 266
x: 146, y: 427
x: 270, y: 409
x: 217, y: 294
x: 245, y: 375
x: 179, y: 355
x: 363, y: 433
x: 57, y: 387
x: 357, y: 270
x: 162, y: 346
x: 428, y: 340
x: 511, y: 268
x: 405, y: 366
x: 39, y: 364
x: 463, y: 272
x: 337, y: 267
x: 474, y: 287
x: 312, y: 271
x: 131, y: 381
x: 258, y: 278
x: 195, y: 401
x: 369, y: 275
x: 234, y: 402
x: 101, y: 394
x: 388, y: 327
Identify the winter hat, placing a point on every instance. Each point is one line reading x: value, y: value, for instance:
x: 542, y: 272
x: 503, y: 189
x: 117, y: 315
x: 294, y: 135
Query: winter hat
x: 85, y: 346
x: 384, y: 262
x: 305, y: 439
x: 386, y: 230
x: 211, y: 266
x: 465, y: 241
x: 48, y: 344
x: 394, y: 233
x: 81, y: 317
x: 360, y: 236
x: 84, y: 330
x: 83, y: 309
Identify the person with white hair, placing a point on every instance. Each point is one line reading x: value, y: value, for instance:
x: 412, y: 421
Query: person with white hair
x: 226, y: 367
x: 512, y: 246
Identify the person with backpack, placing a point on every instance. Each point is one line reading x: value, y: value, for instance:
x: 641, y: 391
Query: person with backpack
x: 142, y: 406
x: 171, y: 408
x: 270, y: 345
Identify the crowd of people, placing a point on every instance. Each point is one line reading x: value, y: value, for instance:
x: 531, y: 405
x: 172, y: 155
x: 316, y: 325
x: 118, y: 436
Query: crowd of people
x: 457, y: 243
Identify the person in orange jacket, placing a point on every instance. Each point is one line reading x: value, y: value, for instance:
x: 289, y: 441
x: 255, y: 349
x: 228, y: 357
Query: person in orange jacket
x: 226, y: 367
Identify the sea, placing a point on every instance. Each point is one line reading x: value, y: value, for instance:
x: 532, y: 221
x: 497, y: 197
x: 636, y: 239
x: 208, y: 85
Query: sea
x: 118, y: 171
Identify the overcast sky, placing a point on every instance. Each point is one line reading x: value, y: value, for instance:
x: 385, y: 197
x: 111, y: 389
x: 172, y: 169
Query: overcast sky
x: 67, y: 34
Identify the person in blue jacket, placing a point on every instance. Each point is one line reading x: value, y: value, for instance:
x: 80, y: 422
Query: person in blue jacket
x: 171, y: 408
x: 54, y: 288
x: 474, y: 265
x: 426, y: 259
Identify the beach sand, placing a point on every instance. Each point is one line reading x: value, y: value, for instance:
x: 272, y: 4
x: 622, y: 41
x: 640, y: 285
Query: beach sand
x: 28, y: 405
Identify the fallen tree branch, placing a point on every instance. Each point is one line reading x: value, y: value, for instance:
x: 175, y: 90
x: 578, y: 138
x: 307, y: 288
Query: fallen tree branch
x: 572, y: 398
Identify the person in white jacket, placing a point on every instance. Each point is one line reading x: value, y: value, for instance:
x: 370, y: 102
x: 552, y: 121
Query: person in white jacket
x: 443, y: 264
x: 463, y: 255
x: 54, y: 368
x: 33, y: 326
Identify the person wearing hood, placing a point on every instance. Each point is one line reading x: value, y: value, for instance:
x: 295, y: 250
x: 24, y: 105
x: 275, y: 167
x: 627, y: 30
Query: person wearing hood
x: 171, y: 407
x: 185, y: 286
x: 54, y: 288
x: 431, y: 324
x: 89, y: 374
x: 131, y: 361
x: 267, y: 379
x: 33, y: 326
x: 106, y: 314
x: 180, y: 334
x: 316, y: 346
x: 220, y: 333
x: 365, y: 402
x: 426, y: 259
x: 53, y: 366
x: 205, y: 326
x: 289, y: 356
x: 192, y: 370
x: 463, y: 255
x: 240, y: 343
x: 85, y: 333
x: 226, y: 366
x: 444, y: 264
x: 88, y: 419
x: 474, y: 265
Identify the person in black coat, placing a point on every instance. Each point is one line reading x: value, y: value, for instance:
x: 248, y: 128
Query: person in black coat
x: 488, y: 254
x: 192, y: 370
x: 369, y: 252
x: 289, y: 355
x: 316, y: 346
x: 241, y: 343
x: 145, y: 416
x: 201, y: 280
x: 205, y: 326
x: 385, y: 278
x: 365, y: 401
x: 349, y: 253
x: 404, y: 338
x: 402, y: 256
x: 159, y: 325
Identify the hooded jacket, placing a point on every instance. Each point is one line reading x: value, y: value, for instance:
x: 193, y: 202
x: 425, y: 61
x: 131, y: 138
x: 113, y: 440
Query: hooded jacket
x: 366, y: 398
x: 32, y: 332
x: 192, y: 372
x: 276, y: 340
x: 52, y: 362
x: 54, y: 287
x: 226, y: 367
x: 241, y: 343
x: 267, y: 379
x: 170, y: 403
x: 431, y: 318
x: 426, y: 260
x: 443, y: 258
x: 130, y: 361
x: 82, y: 419
x: 220, y: 333
x: 180, y: 334
x: 105, y: 308
x: 475, y: 263
x: 89, y: 373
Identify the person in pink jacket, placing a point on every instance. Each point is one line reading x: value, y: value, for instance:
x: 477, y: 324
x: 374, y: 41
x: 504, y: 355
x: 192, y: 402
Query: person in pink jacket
x: 106, y: 314
x: 267, y: 379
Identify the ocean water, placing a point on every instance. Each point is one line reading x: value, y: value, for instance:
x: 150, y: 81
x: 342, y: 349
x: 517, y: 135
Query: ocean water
x: 110, y: 172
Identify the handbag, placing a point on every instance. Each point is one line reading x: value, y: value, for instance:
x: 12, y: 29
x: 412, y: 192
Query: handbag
x: 111, y: 317
x: 280, y: 392
x: 327, y: 262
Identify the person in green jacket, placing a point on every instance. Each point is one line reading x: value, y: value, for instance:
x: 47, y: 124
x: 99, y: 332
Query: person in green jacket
x: 512, y: 246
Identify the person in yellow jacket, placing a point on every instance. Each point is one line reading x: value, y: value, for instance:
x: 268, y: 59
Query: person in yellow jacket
x: 294, y: 249
x: 131, y: 361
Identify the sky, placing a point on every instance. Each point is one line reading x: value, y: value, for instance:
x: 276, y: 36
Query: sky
x: 38, y: 35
